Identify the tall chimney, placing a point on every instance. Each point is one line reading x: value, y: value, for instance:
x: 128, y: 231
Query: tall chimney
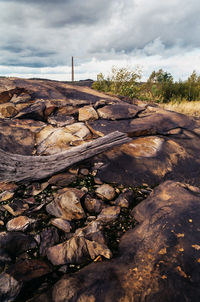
x: 72, y: 69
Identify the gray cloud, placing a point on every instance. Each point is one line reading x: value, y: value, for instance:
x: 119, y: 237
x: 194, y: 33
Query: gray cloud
x: 39, y: 33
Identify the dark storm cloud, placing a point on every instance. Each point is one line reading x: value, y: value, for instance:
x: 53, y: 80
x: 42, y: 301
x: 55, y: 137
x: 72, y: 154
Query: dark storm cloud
x: 47, y: 32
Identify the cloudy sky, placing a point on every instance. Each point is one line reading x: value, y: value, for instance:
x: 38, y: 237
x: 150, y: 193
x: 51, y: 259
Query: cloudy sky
x: 38, y: 37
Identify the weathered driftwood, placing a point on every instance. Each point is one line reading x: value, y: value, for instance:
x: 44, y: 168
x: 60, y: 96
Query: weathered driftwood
x: 15, y: 167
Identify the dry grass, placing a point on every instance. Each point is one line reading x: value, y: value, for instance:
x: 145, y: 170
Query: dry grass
x: 188, y: 108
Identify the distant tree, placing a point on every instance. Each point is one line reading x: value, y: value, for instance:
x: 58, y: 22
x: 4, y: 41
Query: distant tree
x: 101, y: 84
x: 122, y: 81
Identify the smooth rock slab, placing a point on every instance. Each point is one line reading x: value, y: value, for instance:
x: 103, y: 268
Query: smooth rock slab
x: 151, y: 160
x: 158, y: 260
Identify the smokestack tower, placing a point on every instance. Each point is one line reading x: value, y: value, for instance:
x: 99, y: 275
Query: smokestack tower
x: 72, y: 69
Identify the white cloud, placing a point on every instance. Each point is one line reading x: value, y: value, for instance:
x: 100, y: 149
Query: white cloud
x: 38, y: 38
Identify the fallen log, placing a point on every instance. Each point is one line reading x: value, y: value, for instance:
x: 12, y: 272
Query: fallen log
x: 15, y: 167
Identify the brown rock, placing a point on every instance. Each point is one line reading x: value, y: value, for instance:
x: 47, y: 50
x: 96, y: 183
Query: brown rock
x: 11, y: 187
x: 105, y: 192
x: 14, y: 139
x: 67, y: 204
x: 20, y: 223
x: 62, y: 179
x: 29, y: 269
x: 9, y: 288
x: 61, y: 224
x: 119, y: 111
x: 57, y: 141
x: 12, y: 244
x: 6, y: 195
x: 60, y: 120
x: 7, y: 110
x: 93, y: 205
x: 92, y: 232
x: 48, y: 238
x: 17, y: 207
x: 109, y: 214
x: 33, y: 112
x: 87, y: 113
x: 76, y: 250
x: 124, y: 200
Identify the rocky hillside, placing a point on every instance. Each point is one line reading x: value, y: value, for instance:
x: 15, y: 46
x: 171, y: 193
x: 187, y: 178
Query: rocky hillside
x: 99, y: 197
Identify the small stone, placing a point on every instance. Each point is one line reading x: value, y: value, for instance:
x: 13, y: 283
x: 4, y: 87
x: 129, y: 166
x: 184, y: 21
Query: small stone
x: 9, y: 288
x: 84, y: 172
x: 124, y: 200
x: 6, y: 195
x: 20, y: 223
x: 106, y: 192
x: 109, y: 214
x: 98, y: 181
x: 1, y: 223
x: 84, y: 189
x: 16, y: 208
x: 60, y: 120
x: 62, y: 179
x: 38, y: 188
x: 67, y: 204
x: 87, y: 113
x: 74, y: 170
x: 11, y: 187
x: 61, y: 224
x: 93, y: 205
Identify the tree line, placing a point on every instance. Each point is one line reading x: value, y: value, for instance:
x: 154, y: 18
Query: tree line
x: 160, y: 86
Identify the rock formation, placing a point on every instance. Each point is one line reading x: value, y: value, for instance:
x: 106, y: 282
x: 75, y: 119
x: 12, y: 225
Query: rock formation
x: 99, y: 197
